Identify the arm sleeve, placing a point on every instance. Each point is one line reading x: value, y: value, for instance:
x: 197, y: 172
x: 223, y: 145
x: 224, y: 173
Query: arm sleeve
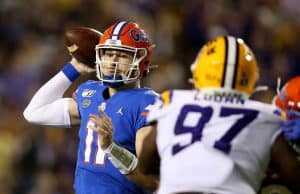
x: 47, y: 107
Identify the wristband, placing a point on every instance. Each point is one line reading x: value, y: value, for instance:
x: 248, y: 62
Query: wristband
x: 121, y: 158
x: 70, y: 71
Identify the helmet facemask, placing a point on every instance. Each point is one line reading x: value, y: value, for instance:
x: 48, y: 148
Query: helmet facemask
x: 119, y: 78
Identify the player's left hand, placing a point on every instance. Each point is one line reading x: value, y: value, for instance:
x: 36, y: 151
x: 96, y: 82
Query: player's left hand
x: 291, y: 127
x: 104, y: 127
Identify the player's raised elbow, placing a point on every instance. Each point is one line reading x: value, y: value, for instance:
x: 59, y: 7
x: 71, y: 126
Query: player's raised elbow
x: 32, y: 115
x: 28, y: 115
x: 35, y: 116
x: 54, y: 114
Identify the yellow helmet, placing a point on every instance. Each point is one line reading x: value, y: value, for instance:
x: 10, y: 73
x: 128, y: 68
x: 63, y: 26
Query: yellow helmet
x: 227, y: 63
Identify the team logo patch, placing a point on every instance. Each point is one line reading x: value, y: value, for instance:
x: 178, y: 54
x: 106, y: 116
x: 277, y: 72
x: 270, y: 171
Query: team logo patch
x: 120, y: 111
x: 88, y: 93
x: 86, y: 103
x: 138, y: 36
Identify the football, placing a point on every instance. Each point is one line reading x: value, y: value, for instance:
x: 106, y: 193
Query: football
x: 81, y: 42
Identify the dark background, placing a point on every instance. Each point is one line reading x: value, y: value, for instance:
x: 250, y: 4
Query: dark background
x: 34, y: 159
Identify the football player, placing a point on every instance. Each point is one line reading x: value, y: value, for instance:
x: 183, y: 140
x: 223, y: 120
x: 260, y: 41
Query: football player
x: 122, y: 58
x: 214, y: 139
x: 288, y: 101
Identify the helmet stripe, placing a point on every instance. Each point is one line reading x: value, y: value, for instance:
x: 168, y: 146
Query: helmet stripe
x: 225, y: 60
x: 237, y: 54
x: 112, y: 32
x: 121, y: 29
x: 231, y: 63
x: 116, y: 32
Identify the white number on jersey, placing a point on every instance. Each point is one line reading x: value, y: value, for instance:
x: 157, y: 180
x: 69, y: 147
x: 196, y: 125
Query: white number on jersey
x: 100, y: 155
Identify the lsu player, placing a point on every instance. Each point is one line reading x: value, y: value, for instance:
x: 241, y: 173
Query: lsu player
x: 214, y: 139
x: 122, y: 58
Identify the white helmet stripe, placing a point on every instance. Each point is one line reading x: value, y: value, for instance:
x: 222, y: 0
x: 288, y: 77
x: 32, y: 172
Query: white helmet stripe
x: 117, y: 30
x: 231, y: 62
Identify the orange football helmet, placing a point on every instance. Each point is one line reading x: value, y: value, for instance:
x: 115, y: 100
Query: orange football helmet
x: 289, y: 96
x: 125, y: 36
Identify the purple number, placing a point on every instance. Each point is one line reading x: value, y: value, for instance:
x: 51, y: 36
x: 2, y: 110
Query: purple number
x: 206, y: 113
x: 223, y: 143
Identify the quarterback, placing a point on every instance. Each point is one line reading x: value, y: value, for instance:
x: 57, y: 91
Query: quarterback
x: 122, y: 58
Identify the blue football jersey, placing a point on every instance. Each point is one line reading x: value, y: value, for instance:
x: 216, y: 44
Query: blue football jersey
x: 128, y: 110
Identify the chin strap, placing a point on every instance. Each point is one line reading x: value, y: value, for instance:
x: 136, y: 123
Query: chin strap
x: 121, y: 158
x: 113, y: 84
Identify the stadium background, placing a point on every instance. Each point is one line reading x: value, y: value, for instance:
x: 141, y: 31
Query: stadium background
x: 34, y: 159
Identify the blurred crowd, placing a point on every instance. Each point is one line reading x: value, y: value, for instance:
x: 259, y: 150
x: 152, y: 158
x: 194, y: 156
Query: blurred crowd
x: 34, y: 159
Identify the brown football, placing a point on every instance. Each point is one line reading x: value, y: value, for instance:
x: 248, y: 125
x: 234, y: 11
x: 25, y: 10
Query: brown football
x: 81, y: 42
